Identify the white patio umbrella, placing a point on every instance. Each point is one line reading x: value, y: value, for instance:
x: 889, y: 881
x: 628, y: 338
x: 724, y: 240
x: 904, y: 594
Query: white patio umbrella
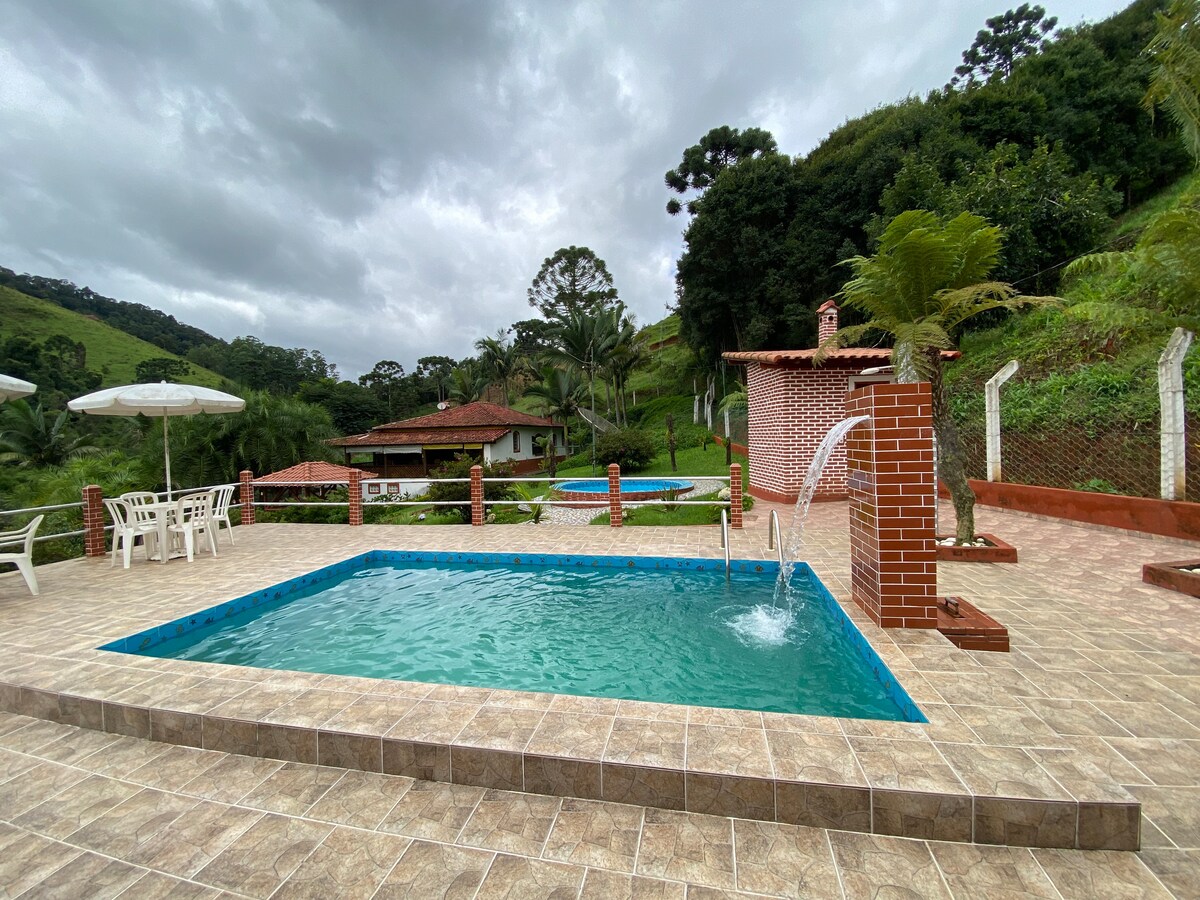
x: 162, y: 399
x: 12, y: 388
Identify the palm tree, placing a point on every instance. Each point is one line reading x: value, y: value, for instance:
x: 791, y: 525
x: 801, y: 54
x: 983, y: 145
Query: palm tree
x: 468, y: 382
x: 27, y: 436
x: 1175, y: 82
x: 499, y: 359
x: 558, y: 394
x: 926, y: 279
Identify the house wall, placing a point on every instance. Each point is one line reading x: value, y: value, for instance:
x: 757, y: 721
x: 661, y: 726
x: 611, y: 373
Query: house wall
x: 790, y: 411
x: 502, y: 451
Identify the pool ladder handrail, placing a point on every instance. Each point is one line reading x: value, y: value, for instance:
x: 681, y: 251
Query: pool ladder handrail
x: 725, y: 539
x: 775, y: 536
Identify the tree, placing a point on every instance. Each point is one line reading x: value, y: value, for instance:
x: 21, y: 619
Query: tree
x: 703, y: 162
x: 1007, y: 38
x: 499, y: 359
x: 434, y: 373
x: 926, y: 279
x: 1175, y: 84
x: 30, y: 438
x: 531, y: 336
x: 735, y: 282
x: 468, y: 382
x: 387, y: 382
x: 559, y: 393
x: 353, y: 408
x: 150, y: 371
x: 573, y: 280
x: 269, y: 434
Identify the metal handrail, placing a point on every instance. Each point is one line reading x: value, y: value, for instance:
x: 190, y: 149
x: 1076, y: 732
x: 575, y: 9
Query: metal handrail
x: 725, y: 539
x: 40, y: 509
x: 774, y: 535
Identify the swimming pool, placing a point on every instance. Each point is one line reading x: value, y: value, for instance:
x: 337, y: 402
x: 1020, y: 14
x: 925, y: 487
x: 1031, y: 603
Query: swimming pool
x: 640, y: 628
x: 596, y: 489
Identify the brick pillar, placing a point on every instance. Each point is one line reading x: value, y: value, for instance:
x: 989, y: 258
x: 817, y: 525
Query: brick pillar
x: 614, y: 495
x: 476, y: 495
x: 356, y: 512
x: 93, y: 521
x: 735, y: 495
x: 893, y: 565
x: 246, y: 496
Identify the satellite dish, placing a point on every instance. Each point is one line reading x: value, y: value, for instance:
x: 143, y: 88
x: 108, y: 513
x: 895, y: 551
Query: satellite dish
x: 443, y: 405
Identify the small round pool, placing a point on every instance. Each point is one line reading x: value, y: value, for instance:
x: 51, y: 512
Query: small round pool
x: 596, y: 489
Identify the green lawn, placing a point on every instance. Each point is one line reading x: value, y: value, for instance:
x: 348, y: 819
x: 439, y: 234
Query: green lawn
x: 693, y: 461
x: 663, y: 515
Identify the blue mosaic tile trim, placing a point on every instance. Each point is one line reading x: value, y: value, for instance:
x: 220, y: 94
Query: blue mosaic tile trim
x: 862, y: 646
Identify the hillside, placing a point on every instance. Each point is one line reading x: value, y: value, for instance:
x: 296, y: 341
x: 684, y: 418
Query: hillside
x: 111, y: 352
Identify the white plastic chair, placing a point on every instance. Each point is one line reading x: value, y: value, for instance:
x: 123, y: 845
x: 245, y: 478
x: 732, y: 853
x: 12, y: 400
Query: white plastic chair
x: 127, y: 525
x: 193, y: 517
x: 139, y: 498
x: 23, y: 538
x: 222, y: 499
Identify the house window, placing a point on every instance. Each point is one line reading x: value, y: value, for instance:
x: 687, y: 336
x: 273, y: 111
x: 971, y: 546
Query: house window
x: 516, y: 442
x: 372, y: 488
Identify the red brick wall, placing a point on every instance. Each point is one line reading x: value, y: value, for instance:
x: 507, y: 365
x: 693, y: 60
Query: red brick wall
x: 791, y: 410
x: 93, y: 521
x: 893, y: 559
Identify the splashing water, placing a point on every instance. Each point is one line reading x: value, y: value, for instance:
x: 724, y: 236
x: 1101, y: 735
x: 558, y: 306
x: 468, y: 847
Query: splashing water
x: 770, y: 625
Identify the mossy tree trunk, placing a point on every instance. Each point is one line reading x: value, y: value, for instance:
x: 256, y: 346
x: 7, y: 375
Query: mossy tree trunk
x: 951, y: 467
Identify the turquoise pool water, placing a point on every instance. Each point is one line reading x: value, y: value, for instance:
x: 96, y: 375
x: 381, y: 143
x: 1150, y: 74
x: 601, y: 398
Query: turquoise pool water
x: 674, y: 631
x: 642, y: 485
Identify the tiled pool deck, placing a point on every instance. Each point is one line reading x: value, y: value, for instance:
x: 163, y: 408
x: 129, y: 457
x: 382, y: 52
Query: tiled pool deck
x: 1058, y: 744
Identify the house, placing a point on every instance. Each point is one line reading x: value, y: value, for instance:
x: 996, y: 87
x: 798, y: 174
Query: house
x: 793, y: 404
x: 489, y: 433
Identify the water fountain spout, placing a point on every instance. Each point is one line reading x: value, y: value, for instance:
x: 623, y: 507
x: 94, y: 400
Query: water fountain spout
x: 808, y: 488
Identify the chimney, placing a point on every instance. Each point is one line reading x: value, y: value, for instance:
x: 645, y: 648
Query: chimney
x: 827, y: 321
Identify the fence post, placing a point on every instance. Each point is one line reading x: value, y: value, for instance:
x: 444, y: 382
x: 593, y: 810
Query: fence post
x: 614, y: 495
x: 246, y: 495
x: 476, y: 495
x: 1173, y: 447
x: 355, y: 491
x: 991, y: 401
x: 735, y: 494
x: 93, y: 521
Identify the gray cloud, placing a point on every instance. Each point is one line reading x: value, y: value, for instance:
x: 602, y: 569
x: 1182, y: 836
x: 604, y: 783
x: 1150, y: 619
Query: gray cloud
x: 383, y: 180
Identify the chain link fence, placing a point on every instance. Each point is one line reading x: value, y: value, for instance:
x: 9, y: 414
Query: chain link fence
x: 1111, y: 462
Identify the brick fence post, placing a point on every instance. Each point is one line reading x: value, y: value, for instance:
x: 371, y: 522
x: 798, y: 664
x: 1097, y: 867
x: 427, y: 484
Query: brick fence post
x: 893, y: 554
x: 356, y: 510
x: 614, y: 495
x: 93, y: 521
x: 735, y: 495
x: 246, y: 496
x: 476, y: 495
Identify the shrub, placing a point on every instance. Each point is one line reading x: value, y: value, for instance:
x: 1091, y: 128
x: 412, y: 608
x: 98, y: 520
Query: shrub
x: 629, y: 448
x: 461, y: 491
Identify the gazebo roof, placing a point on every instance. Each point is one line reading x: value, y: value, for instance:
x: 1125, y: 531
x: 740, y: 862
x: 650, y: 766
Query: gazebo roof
x: 312, y: 473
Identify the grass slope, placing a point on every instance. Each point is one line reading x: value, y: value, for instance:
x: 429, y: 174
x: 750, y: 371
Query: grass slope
x: 111, y: 352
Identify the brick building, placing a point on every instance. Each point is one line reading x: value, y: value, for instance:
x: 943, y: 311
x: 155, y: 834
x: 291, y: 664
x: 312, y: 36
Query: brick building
x: 793, y: 404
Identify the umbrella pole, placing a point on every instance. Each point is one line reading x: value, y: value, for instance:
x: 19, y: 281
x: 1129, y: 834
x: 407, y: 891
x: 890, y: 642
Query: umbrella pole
x: 167, y: 456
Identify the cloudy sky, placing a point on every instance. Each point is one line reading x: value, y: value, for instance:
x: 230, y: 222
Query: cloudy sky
x: 383, y: 178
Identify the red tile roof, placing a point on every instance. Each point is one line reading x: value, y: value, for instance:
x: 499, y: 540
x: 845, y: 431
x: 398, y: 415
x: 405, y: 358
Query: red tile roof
x: 474, y: 423
x: 471, y: 415
x: 846, y: 356
x: 383, y: 436
x: 311, y: 473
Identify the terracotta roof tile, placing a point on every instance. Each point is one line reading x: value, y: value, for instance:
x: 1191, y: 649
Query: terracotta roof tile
x: 847, y: 356
x: 471, y: 415
x: 311, y: 472
x: 385, y: 436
